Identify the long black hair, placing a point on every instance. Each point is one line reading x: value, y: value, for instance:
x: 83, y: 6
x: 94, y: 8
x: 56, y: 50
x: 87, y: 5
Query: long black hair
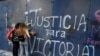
x: 17, y: 25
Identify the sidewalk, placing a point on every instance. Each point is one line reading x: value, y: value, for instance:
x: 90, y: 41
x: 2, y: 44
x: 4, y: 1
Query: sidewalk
x: 5, y: 53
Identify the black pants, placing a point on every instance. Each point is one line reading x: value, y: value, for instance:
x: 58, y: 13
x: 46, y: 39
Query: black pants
x: 15, y: 48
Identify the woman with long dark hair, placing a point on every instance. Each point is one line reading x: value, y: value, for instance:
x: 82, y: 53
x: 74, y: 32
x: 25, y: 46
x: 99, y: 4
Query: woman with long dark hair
x: 14, y: 41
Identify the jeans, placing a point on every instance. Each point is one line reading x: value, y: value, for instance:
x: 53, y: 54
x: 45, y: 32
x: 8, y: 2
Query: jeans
x: 24, y: 47
x: 15, y: 48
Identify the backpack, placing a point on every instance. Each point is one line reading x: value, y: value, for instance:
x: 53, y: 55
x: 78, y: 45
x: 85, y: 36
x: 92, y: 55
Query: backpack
x: 9, y: 33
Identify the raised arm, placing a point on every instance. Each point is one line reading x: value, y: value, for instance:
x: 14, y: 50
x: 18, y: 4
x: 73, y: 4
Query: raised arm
x: 27, y: 33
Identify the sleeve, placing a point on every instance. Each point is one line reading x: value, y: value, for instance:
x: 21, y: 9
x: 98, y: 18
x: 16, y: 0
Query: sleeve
x: 9, y: 33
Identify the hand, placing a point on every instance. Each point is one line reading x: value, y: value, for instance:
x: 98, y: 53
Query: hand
x: 9, y: 42
x: 33, y: 33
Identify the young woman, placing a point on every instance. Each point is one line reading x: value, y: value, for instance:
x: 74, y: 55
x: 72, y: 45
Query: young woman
x: 15, y: 42
x: 23, y: 36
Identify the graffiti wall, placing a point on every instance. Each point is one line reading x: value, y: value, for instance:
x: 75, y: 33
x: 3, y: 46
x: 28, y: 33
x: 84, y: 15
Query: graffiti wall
x: 64, y: 32
x: 70, y: 28
x: 63, y: 27
x: 39, y: 16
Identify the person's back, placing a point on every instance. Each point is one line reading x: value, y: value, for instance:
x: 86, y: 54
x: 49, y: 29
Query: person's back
x: 15, y: 41
x: 23, y: 33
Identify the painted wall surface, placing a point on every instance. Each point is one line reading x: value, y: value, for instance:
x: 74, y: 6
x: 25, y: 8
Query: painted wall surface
x: 64, y: 27
x: 39, y: 17
x: 3, y: 25
x: 94, y: 26
x: 70, y: 28
x: 16, y: 9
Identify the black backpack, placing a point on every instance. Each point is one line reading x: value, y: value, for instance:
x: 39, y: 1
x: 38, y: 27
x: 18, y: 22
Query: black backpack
x: 16, y: 37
